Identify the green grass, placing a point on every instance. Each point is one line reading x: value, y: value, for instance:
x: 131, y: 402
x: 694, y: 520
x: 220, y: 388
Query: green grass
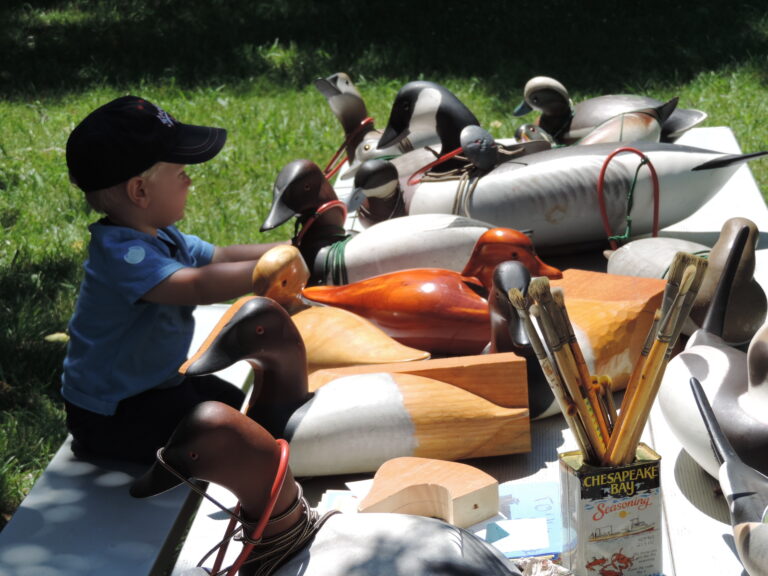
x: 248, y: 66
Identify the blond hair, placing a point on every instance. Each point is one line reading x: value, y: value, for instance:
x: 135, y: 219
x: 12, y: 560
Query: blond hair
x: 108, y: 200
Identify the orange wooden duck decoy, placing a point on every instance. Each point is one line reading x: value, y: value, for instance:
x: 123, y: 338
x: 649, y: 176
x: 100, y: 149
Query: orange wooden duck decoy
x: 333, y: 336
x: 441, y: 311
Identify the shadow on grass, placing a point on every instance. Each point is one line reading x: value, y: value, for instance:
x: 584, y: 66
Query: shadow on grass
x: 57, y: 46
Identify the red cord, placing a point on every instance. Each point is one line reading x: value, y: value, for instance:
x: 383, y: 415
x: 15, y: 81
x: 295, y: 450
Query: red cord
x: 601, y: 194
x: 319, y: 212
x: 277, y: 485
x: 329, y: 171
x: 416, y: 176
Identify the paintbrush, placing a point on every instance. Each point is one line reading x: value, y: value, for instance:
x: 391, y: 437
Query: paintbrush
x: 554, y: 379
x: 629, y: 427
x: 558, y: 298
x: 556, y: 336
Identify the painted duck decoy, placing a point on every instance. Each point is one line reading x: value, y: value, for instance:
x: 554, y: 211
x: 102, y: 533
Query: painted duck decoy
x: 554, y: 192
x: 735, y: 382
x: 423, y: 106
x: 216, y: 443
x: 746, y: 311
x: 335, y: 257
x: 281, y: 274
x: 352, y: 424
x: 361, y: 137
x: 744, y: 488
x: 433, y: 309
x: 567, y: 123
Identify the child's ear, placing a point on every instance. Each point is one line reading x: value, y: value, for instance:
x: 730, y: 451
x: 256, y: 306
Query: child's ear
x: 137, y: 193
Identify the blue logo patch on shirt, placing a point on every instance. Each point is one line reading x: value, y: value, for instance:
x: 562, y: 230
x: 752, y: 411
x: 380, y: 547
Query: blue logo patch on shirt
x: 134, y: 255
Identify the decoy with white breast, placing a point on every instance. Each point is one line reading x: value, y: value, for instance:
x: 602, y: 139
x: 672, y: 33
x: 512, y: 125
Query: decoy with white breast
x: 567, y: 123
x: 334, y: 256
x: 735, y: 382
x: 578, y: 196
x: 284, y: 535
x: 355, y: 423
x: 745, y: 489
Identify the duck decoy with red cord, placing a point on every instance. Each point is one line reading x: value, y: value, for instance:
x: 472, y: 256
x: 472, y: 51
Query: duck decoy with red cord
x: 284, y: 534
x: 335, y: 256
x: 352, y: 424
x: 745, y: 489
x: 567, y: 123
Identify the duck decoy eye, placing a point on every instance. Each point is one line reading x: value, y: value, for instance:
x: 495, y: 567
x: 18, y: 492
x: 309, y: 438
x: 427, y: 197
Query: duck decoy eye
x: 284, y: 283
x: 367, y: 148
x: 193, y: 455
x: 307, y: 187
x: 259, y: 330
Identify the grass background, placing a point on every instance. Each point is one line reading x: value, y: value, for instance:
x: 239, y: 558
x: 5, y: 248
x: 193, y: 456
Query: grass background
x: 248, y: 66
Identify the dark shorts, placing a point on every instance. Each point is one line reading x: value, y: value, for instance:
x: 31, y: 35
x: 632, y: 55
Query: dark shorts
x: 143, y: 423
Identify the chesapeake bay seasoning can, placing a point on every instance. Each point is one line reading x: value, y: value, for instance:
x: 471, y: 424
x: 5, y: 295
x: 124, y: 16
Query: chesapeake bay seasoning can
x: 612, y: 516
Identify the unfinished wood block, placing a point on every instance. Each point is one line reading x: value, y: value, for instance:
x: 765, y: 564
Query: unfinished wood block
x: 499, y: 378
x: 458, y: 493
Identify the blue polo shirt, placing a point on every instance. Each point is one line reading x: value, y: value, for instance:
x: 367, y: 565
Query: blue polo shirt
x: 119, y: 344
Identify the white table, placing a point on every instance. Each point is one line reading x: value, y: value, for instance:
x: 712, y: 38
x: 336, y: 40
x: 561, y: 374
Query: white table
x: 697, y: 534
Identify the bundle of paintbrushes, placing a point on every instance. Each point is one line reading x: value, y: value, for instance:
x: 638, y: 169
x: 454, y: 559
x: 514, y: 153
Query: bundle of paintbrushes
x: 604, y: 436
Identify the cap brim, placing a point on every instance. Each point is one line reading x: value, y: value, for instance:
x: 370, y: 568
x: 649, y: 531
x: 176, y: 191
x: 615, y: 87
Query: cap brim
x: 154, y: 481
x: 196, y: 144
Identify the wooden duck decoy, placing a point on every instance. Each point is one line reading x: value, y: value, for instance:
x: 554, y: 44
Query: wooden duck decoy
x: 746, y: 309
x: 334, y: 257
x: 352, y: 424
x: 218, y: 444
x: 553, y: 192
x: 361, y: 137
x: 744, y: 488
x: 433, y: 309
x: 567, y: 123
x: 735, y: 382
x: 281, y: 274
x: 423, y: 106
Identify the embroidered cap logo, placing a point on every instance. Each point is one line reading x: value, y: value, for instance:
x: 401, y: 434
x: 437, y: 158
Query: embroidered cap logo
x: 164, y: 117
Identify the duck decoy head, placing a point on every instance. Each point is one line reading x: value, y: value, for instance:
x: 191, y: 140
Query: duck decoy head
x: 300, y: 188
x: 738, y: 312
x: 208, y: 444
x: 508, y: 333
x: 374, y: 179
x: 423, y: 106
x: 533, y: 133
x: 254, y: 328
x: 281, y: 274
x: 479, y: 147
x: 344, y: 99
x: 545, y: 95
x: 498, y: 245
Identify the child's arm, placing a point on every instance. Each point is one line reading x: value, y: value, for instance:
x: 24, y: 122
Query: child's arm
x: 227, y: 276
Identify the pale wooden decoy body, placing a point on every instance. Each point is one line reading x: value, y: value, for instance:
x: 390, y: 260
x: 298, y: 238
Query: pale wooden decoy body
x: 332, y: 336
x: 216, y: 443
x: 352, y: 424
x: 567, y: 123
x: 736, y: 383
x: 745, y: 489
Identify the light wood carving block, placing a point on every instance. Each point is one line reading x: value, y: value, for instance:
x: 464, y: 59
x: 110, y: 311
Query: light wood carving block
x: 457, y: 493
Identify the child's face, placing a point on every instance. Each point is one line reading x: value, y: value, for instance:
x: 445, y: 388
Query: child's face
x: 168, y: 187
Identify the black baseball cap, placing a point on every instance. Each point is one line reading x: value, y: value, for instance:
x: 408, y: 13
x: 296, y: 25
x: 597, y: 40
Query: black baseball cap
x: 128, y: 135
